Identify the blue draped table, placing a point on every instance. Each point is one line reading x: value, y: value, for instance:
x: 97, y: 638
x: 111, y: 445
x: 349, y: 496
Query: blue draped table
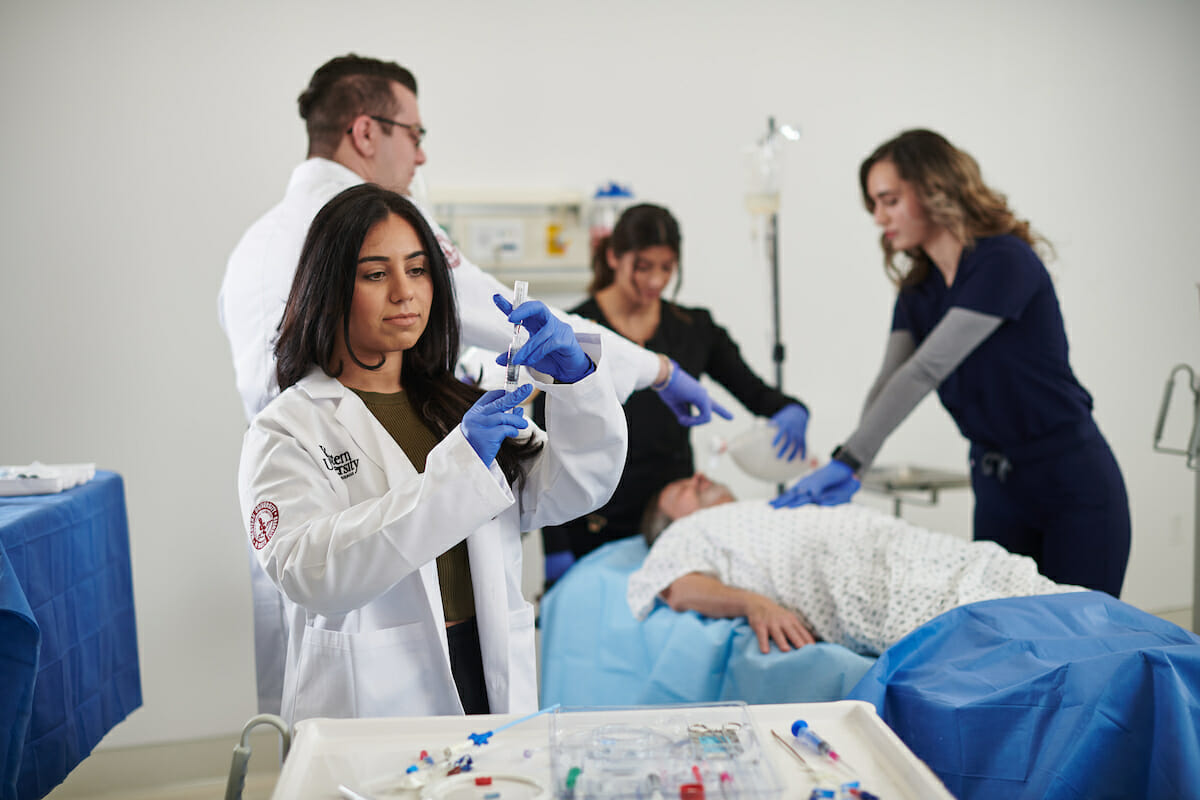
x: 68, y: 642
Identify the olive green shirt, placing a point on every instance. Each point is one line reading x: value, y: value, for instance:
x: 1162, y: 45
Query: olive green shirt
x: 399, y: 419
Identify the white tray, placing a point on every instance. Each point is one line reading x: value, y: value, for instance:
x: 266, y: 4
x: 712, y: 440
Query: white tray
x: 43, y: 478
x: 365, y: 754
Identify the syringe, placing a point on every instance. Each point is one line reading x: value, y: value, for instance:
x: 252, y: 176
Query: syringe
x: 807, y: 735
x: 810, y: 739
x: 520, y: 292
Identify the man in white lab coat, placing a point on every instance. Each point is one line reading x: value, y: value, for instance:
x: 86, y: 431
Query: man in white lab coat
x: 364, y: 125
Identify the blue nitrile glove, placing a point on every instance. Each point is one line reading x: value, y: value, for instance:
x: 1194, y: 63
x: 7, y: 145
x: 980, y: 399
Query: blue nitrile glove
x: 831, y: 485
x: 839, y: 493
x: 557, y: 564
x: 792, y: 420
x: 682, y: 392
x: 494, y: 418
x: 552, y: 347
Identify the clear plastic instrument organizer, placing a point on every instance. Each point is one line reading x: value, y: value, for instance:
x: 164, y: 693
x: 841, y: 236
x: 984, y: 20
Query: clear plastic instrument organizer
x: 658, y: 754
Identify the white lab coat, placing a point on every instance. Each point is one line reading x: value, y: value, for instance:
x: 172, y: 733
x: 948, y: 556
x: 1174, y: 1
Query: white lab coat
x: 254, y: 291
x: 352, y: 533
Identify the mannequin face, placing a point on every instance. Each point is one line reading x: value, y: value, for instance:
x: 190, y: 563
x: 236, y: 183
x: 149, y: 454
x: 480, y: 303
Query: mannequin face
x: 682, y: 497
x: 641, y: 276
x: 898, y: 210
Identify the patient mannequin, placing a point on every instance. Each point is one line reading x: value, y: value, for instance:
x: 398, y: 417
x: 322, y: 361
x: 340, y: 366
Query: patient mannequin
x: 844, y: 574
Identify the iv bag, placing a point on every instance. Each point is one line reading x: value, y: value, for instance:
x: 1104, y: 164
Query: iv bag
x: 754, y: 454
x: 764, y: 169
x: 762, y: 180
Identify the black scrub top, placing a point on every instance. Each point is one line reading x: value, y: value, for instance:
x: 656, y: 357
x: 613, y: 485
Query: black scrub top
x: 660, y: 449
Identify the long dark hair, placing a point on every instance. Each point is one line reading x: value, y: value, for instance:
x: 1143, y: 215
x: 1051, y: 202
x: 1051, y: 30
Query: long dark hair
x: 318, y: 306
x: 641, y: 226
x: 950, y: 186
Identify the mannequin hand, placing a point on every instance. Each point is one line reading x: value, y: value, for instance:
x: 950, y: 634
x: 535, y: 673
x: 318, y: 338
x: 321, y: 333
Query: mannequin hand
x: 831, y: 485
x: 791, y: 420
x: 682, y: 392
x: 552, y: 347
x: 557, y: 564
x: 774, y: 623
x: 489, y: 422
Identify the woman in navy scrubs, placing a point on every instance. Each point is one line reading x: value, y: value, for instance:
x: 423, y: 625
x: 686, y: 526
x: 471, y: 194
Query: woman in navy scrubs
x: 977, y: 318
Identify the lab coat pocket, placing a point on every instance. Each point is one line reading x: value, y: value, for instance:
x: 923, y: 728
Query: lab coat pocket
x: 371, y: 673
x: 403, y: 671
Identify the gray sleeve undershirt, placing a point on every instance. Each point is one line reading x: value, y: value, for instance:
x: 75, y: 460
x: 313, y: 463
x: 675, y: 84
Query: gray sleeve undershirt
x: 900, y: 345
x: 908, y: 375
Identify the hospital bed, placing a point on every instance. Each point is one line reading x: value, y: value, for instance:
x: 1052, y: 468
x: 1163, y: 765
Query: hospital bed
x: 1075, y: 695
x: 595, y: 653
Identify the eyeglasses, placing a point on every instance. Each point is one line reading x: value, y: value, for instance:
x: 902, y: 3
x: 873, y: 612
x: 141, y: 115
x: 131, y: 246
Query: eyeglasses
x: 415, y: 131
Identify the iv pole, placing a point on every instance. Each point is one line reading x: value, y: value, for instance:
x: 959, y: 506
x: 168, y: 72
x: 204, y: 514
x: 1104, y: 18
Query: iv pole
x: 762, y: 199
x: 777, y: 351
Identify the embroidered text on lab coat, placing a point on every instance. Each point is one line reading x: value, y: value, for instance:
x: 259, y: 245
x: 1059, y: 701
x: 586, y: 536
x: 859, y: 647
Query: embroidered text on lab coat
x: 342, y: 463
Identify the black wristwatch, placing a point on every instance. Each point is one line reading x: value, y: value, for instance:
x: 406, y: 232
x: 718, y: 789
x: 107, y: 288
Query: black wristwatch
x: 843, y: 455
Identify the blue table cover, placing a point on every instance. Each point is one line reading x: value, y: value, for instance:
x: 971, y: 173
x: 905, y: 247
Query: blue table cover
x: 1061, y: 696
x: 594, y: 653
x: 68, y: 643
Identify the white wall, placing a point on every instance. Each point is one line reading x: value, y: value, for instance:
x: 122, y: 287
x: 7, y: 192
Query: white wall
x: 141, y: 137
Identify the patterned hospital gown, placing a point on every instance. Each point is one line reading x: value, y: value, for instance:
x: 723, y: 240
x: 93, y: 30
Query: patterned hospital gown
x: 861, y: 578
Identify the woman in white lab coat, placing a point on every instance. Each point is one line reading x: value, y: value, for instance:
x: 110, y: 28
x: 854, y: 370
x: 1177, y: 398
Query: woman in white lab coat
x: 385, y: 499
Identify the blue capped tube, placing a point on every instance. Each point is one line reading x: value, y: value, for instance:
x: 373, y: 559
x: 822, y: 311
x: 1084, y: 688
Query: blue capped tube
x: 812, y: 741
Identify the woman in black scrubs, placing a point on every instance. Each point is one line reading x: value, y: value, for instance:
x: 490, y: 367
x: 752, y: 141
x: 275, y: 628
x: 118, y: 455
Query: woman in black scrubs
x: 631, y: 268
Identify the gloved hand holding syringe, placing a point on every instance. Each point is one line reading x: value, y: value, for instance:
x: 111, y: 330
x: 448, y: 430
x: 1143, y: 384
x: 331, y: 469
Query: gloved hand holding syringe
x: 551, y: 348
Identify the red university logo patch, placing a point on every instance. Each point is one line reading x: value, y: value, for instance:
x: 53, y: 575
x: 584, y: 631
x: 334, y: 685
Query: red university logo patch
x: 263, y: 522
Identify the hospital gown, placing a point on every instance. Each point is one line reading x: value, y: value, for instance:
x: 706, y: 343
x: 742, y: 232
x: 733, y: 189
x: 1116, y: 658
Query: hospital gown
x: 860, y: 578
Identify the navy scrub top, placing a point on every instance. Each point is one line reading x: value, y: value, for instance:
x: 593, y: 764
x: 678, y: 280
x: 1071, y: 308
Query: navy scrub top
x: 1017, y: 386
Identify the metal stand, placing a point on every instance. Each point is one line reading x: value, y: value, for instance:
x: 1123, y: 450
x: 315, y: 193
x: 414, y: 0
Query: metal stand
x: 906, y: 482
x: 771, y: 238
x: 777, y: 350
x: 1193, y: 463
